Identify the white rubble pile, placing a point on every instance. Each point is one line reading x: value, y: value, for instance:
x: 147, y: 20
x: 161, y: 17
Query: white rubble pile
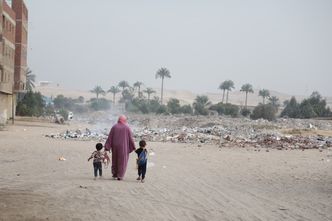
x: 222, y: 131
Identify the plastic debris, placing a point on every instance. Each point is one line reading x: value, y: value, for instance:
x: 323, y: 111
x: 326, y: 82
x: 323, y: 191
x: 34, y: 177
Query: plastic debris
x: 62, y: 158
x: 219, y: 131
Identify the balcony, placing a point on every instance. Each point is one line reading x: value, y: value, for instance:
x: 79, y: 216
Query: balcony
x: 20, y: 87
x: 6, y: 87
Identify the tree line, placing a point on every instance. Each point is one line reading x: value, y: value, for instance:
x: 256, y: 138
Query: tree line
x: 138, y: 99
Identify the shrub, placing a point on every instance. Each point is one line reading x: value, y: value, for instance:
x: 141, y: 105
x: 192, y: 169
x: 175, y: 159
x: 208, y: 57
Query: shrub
x: 226, y: 109
x: 32, y: 104
x: 186, y: 109
x: 265, y: 111
x: 314, y: 106
x: 80, y: 99
x: 62, y: 102
x: 154, y: 105
x: 306, y: 110
x: 201, y: 105
x: 245, y: 112
x: 139, y: 105
x: 100, y: 104
x: 64, y: 113
x: 80, y: 108
x: 162, y: 110
x: 292, y: 109
x: 173, y: 106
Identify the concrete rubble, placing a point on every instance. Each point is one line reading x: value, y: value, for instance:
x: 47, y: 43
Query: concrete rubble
x: 220, y: 131
x: 84, y: 135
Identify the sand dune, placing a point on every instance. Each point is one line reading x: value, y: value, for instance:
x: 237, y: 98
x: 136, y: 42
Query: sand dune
x: 186, y: 182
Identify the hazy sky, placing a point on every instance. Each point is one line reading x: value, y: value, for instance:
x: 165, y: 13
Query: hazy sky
x: 283, y: 45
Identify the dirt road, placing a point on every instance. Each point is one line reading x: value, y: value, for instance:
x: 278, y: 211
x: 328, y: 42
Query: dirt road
x: 184, y: 182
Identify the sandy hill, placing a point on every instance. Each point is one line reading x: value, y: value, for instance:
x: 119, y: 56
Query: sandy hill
x: 186, y: 97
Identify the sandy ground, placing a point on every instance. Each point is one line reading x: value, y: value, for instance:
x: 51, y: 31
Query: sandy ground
x: 185, y: 182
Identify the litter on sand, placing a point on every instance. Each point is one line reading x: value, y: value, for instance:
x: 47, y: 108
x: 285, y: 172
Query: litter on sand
x: 62, y: 158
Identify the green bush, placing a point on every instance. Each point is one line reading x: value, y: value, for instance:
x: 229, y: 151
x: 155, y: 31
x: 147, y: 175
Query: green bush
x: 62, y: 102
x: 314, y: 106
x: 154, y: 105
x: 186, y: 109
x: 80, y: 108
x: 162, y: 110
x: 245, y: 112
x: 32, y: 104
x: 226, y: 109
x: 201, y: 105
x: 100, y: 104
x: 64, y: 113
x: 173, y: 106
x: 292, y: 109
x: 80, y: 100
x: 138, y: 105
x: 265, y: 111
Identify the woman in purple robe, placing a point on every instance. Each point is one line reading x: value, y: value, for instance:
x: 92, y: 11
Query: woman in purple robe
x: 120, y: 142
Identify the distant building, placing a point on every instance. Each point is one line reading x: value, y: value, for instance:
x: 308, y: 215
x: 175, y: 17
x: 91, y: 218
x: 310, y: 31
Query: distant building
x: 44, y: 83
x: 13, y: 54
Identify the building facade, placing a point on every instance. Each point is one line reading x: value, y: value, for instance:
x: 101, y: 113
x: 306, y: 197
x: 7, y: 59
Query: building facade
x: 13, y: 55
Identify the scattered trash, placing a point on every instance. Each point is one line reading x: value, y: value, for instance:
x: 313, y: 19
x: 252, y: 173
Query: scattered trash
x: 62, y: 158
x: 85, y: 135
x: 283, y: 208
x: 215, y: 130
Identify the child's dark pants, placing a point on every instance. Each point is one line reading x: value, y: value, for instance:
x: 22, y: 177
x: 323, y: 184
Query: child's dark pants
x: 97, y: 166
x: 142, y: 170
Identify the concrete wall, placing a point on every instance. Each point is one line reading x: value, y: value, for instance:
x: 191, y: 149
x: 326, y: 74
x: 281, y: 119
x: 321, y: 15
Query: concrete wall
x: 5, y: 107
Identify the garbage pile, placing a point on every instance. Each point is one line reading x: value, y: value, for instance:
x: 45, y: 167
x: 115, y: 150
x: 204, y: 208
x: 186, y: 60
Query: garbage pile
x: 243, y: 137
x: 220, y: 131
x: 84, y: 135
x: 284, y: 142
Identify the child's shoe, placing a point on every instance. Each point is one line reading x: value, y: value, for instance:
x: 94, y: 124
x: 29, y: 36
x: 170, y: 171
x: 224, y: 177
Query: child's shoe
x: 138, y: 178
x: 142, y: 181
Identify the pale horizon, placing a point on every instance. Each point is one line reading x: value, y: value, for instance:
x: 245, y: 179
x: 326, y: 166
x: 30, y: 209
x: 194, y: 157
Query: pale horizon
x: 283, y: 46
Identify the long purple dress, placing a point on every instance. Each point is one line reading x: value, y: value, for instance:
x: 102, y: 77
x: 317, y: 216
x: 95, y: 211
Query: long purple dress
x: 120, y: 142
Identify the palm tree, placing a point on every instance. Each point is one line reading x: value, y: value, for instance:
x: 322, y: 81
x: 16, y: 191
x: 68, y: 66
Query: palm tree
x: 149, y: 91
x: 264, y: 93
x: 229, y: 85
x: 247, y: 88
x: 138, y: 85
x: 31, y: 78
x: 123, y: 85
x: 114, y: 90
x: 222, y: 87
x: 98, y: 90
x: 163, y: 73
